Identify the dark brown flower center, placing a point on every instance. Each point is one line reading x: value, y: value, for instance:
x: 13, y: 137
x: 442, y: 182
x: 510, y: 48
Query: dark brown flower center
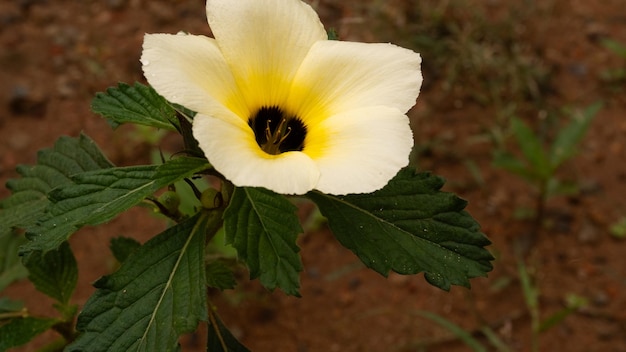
x: 276, y: 132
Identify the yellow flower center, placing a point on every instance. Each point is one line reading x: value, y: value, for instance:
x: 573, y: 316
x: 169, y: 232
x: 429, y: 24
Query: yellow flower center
x: 277, y: 132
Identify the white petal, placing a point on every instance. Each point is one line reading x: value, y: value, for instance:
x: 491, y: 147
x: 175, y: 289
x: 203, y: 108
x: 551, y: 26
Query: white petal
x: 264, y: 42
x: 191, y: 71
x: 230, y: 146
x: 363, y: 150
x: 340, y: 76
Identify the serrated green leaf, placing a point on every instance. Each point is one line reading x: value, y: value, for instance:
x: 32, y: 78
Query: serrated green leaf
x: 181, y: 167
x: 54, y: 273
x: 122, y: 247
x: 220, y: 276
x: 54, y: 167
x: 158, y: 294
x: 138, y: 104
x: 21, y: 330
x: 262, y: 226
x: 98, y: 196
x: 532, y: 148
x: 564, y: 146
x: 191, y: 144
x: 11, y: 267
x: 220, y: 339
x: 410, y: 226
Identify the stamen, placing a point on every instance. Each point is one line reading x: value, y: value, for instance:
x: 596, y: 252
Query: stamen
x: 268, y: 131
x: 275, y: 138
x: 282, y: 139
x: 276, y: 132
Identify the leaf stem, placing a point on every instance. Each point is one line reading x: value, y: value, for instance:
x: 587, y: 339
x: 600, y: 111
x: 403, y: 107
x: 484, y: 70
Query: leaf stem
x: 65, y: 329
x: 215, y: 326
x: 19, y: 314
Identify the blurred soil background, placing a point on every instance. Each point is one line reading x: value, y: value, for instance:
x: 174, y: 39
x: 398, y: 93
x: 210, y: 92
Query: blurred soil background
x: 485, y: 62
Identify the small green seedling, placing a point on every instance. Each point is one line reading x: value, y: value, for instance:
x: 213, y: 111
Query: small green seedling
x: 538, y: 163
x: 531, y: 294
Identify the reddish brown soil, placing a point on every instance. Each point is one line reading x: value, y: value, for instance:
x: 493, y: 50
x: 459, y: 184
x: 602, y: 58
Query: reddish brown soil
x: 56, y: 54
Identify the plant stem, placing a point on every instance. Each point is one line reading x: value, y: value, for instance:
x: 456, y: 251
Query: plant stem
x: 531, y: 296
x: 540, y: 208
x: 66, y: 329
x: 19, y: 314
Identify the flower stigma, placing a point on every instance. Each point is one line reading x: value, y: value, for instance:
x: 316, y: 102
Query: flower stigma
x: 277, y: 132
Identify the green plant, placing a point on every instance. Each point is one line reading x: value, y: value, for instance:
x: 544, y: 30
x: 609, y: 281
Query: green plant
x: 484, y: 336
x: 531, y: 297
x: 159, y: 290
x: 618, y: 229
x: 468, y: 338
x: 614, y: 75
x: 539, y: 162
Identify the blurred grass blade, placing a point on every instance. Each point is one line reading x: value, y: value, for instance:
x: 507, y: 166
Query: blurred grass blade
x: 510, y: 163
x: 564, y: 146
x: 615, y: 46
x: 574, y: 302
x: 531, y: 147
x: 529, y: 291
x: 494, y: 339
x: 458, y: 331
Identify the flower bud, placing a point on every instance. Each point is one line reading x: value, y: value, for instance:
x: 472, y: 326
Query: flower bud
x: 170, y: 200
x: 211, y: 198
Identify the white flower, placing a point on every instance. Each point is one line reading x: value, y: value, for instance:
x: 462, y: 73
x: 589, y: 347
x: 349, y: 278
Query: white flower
x: 280, y: 106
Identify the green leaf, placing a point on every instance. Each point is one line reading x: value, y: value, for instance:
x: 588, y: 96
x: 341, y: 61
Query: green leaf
x: 615, y: 46
x: 220, y: 276
x: 138, y: 104
x: 22, y: 330
x: 510, y: 163
x: 158, y: 294
x: 262, y: 226
x: 96, y: 197
x: 532, y: 148
x: 191, y: 144
x: 11, y: 267
x: 410, y: 226
x: 564, y: 146
x: 220, y: 339
x: 178, y: 168
x: 54, y: 273
x: 458, y: 331
x: 54, y: 167
x: 332, y: 34
x: 618, y: 229
x: 122, y: 247
x: 8, y: 305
